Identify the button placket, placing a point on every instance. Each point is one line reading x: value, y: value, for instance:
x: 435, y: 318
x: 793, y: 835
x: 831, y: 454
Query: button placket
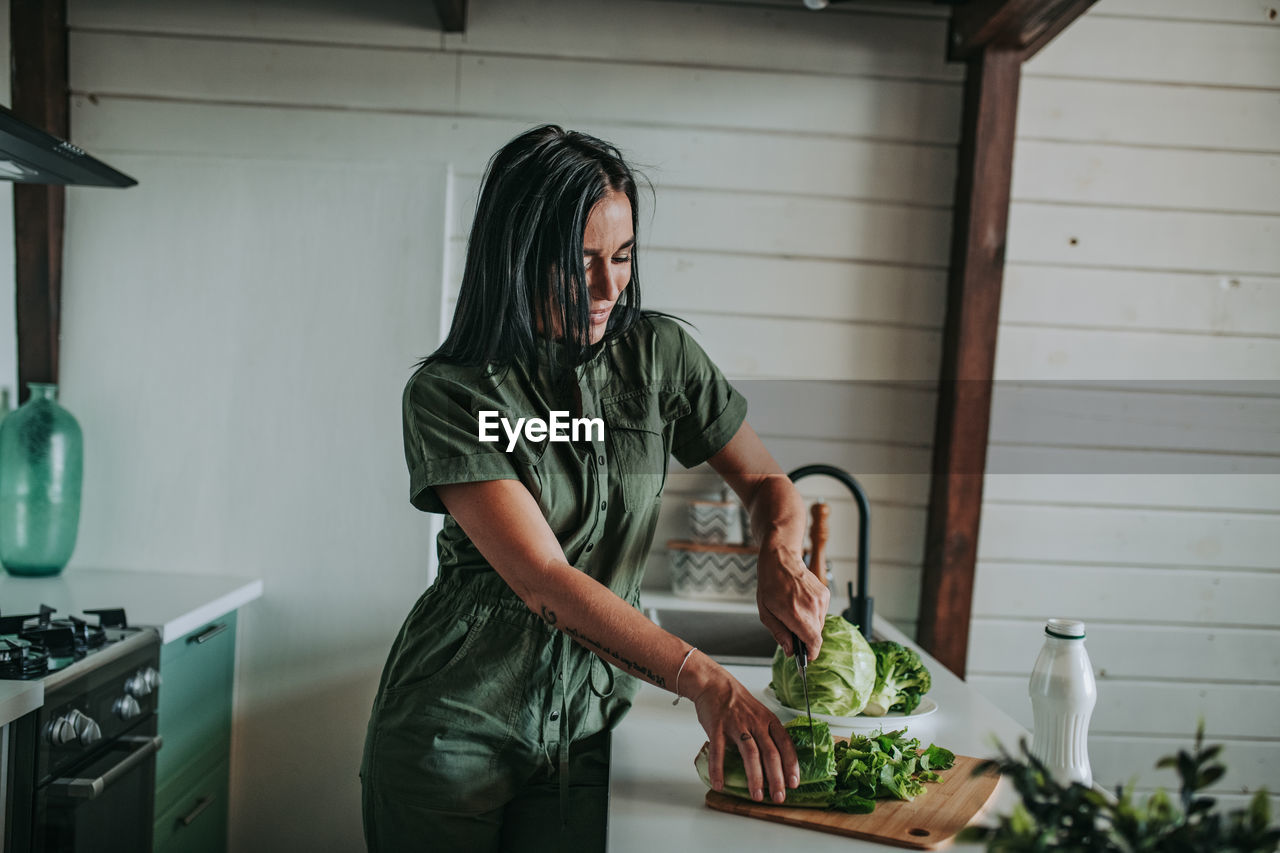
x: 587, y: 389
x: 553, y: 726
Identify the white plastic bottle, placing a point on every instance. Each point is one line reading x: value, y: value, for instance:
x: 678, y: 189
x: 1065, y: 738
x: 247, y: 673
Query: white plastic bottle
x: 1063, y: 694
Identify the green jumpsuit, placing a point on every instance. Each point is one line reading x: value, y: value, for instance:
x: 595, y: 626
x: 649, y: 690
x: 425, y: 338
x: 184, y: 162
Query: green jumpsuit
x: 490, y: 728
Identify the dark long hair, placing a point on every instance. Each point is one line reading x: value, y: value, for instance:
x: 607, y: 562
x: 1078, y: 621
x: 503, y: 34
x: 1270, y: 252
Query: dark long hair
x: 524, y: 255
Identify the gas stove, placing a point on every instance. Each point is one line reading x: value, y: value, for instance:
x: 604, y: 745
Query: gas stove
x: 38, y: 644
x: 85, y: 760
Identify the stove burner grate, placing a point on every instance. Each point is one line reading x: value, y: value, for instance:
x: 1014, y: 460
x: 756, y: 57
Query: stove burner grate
x: 38, y: 643
x: 22, y: 659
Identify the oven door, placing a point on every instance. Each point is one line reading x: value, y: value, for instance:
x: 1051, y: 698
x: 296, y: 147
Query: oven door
x: 17, y: 783
x: 107, y: 805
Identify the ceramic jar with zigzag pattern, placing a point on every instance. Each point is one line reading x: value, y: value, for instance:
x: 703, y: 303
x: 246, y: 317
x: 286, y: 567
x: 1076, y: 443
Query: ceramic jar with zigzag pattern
x: 712, y: 571
x: 716, y: 522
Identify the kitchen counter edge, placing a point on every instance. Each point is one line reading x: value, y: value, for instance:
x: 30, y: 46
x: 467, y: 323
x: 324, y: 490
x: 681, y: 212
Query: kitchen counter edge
x: 174, y: 604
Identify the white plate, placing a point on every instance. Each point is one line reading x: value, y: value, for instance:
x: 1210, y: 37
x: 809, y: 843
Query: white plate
x: 860, y: 723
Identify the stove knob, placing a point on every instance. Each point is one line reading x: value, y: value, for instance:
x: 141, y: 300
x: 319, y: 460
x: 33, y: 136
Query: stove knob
x: 87, y: 730
x: 60, y: 731
x: 91, y: 734
x: 152, y: 677
x: 137, y: 685
x: 126, y: 708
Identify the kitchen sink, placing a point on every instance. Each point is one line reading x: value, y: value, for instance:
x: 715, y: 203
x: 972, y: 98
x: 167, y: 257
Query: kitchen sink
x: 729, y: 638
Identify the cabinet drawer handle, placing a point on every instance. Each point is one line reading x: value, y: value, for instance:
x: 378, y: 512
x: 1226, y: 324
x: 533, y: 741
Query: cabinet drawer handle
x: 201, y: 804
x: 207, y: 634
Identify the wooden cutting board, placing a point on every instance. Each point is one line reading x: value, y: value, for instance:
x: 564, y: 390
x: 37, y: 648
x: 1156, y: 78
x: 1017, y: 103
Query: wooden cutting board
x: 929, y: 820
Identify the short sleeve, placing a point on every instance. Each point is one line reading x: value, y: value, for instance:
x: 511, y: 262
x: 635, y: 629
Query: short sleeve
x: 442, y: 440
x: 716, y: 411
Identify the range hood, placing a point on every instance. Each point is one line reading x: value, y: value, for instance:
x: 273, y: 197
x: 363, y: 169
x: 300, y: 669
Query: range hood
x: 29, y: 155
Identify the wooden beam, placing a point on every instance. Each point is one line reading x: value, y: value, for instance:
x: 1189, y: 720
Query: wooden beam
x: 1021, y: 25
x: 1050, y: 30
x: 453, y: 15
x: 979, y: 225
x: 38, y: 29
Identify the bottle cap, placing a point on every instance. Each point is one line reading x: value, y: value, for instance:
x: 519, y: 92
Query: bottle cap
x: 1065, y: 629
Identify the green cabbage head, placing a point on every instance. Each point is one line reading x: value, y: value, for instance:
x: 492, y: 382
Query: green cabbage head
x: 816, y: 756
x: 840, y: 680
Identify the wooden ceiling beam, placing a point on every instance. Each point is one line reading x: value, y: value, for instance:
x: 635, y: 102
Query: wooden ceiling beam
x: 979, y: 225
x: 1021, y: 25
x: 994, y: 38
x: 40, y: 92
x: 453, y: 15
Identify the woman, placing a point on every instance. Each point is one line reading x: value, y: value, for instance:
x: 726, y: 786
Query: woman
x: 491, y: 723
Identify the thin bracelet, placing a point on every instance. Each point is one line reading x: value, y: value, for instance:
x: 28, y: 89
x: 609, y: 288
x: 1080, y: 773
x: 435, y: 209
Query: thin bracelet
x: 680, y: 670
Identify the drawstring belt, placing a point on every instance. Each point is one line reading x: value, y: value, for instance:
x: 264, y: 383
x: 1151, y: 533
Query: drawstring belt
x: 563, y: 751
x: 565, y: 651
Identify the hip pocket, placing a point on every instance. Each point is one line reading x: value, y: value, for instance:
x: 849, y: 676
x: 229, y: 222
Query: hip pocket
x: 431, y: 653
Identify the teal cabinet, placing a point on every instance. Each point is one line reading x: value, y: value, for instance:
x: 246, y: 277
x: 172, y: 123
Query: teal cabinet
x: 196, y: 820
x: 197, y: 672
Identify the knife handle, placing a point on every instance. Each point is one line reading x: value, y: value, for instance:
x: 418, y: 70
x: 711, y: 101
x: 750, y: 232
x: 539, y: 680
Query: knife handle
x: 800, y: 651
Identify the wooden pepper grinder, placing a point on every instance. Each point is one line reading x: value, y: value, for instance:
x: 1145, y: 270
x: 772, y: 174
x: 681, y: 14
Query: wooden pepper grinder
x: 819, y: 532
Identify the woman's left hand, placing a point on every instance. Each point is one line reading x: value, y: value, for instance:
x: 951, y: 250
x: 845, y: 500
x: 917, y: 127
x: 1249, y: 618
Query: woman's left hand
x: 735, y: 720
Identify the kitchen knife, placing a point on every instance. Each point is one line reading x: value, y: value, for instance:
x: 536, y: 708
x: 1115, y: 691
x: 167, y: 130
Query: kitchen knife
x: 802, y: 664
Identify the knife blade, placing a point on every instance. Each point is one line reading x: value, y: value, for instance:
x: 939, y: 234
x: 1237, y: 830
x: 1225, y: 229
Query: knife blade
x: 802, y: 664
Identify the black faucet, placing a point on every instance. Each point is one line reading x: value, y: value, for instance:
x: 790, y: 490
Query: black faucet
x: 859, y: 610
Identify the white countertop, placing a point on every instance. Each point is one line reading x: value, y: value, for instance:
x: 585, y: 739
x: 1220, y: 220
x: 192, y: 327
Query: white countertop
x: 656, y: 797
x: 18, y: 698
x: 173, y: 604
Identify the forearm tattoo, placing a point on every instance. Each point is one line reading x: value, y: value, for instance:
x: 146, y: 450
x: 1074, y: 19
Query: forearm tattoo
x: 549, y: 616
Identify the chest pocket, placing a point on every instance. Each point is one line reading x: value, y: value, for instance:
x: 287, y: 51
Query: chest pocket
x: 525, y: 456
x: 637, y: 425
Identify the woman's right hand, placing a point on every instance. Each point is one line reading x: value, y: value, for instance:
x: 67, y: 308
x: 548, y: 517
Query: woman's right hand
x: 734, y: 719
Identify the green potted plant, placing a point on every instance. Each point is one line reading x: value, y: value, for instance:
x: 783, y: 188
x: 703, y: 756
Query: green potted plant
x: 1052, y: 816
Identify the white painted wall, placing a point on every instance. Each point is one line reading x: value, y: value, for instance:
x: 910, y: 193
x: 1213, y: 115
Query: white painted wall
x: 238, y: 327
x: 1134, y: 474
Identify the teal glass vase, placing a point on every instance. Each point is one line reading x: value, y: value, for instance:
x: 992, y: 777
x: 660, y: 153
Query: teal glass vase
x: 41, y: 471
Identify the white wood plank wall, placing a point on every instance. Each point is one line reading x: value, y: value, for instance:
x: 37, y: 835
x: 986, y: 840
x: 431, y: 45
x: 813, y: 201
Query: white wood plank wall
x: 1134, y: 475
x: 803, y: 166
